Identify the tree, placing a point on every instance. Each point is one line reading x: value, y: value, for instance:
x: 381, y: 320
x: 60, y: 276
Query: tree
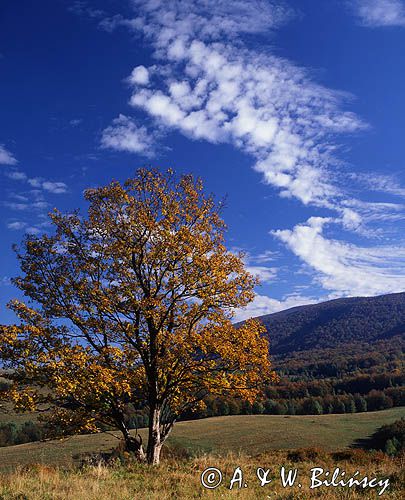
x: 360, y: 402
x: 392, y: 447
x: 311, y: 407
x: 377, y: 400
x: 133, y: 308
x: 257, y: 408
x: 350, y: 405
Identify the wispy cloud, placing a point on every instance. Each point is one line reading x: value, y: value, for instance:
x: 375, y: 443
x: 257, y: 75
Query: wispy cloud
x: 226, y: 92
x: 206, y: 19
x: 16, y: 175
x: 16, y: 225
x: 16, y: 206
x: 125, y: 135
x: 343, y: 268
x: 6, y: 158
x: 5, y: 281
x: 379, y: 13
x: 81, y: 8
x: 42, y: 224
x: 31, y: 201
x: 46, y: 185
x: 263, y: 257
x: 262, y: 305
x: 383, y: 183
x: 54, y: 187
x: 255, y: 264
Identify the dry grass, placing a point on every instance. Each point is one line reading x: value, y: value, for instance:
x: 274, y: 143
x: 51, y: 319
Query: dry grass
x: 180, y: 478
x: 45, y: 471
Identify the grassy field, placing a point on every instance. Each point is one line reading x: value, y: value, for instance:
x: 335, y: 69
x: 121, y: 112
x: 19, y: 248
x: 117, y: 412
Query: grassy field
x: 220, y: 435
x: 181, y: 479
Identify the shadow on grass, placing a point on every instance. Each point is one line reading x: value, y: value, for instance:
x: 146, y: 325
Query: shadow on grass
x: 363, y: 443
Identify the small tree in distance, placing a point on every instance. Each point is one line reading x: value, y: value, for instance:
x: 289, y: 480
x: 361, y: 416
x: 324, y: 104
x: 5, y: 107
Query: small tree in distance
x: 133, y: 309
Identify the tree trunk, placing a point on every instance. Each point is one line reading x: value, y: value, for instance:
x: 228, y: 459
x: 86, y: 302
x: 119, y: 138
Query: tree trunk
x: 133, y: 444
x: 154, y: 442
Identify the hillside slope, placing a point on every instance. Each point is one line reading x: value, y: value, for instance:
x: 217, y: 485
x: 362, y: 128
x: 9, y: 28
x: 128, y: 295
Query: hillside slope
x: 333, y: 323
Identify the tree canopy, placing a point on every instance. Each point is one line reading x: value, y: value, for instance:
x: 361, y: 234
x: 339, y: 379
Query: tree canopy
x: 131, y: 307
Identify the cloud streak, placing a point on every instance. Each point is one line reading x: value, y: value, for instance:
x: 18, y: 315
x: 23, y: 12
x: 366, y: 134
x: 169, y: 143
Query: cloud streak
x: 6, y: 158
x: 31, y: 202
x: 343, y: 268
x: 379, y: 13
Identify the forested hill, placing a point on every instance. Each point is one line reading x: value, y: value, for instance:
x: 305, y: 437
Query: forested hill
x: 340, y: 356
x: 331, y: 324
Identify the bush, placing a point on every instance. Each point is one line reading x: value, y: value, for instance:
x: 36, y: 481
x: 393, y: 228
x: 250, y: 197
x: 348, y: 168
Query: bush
x: 390, y: 438
x: 305, y: 454
x: 11, y: 434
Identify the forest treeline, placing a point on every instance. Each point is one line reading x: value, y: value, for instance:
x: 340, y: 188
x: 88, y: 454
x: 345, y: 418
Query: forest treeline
x: 354, y: 377
x: 377, y: 384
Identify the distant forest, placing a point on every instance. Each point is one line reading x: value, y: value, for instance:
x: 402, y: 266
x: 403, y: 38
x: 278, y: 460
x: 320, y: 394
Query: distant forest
x: 340, y: 356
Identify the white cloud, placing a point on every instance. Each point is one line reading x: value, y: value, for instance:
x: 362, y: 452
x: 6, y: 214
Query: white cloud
x: 54, y: 187
x: 125, y: 135
x: 139, y: 76
x: 49, y: 186
x: 379, y: 13
x: 262, y: 305
x: 260, y: 103
x: 16, y: 175
x: 343, y: 268
x: 16, y: 206
x: 222, y: 91
x: 265, y: 274
x: 17, y: 225
x: 6, y: 158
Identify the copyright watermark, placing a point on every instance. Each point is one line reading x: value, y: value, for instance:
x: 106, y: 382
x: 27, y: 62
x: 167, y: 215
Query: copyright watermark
x: 211, y: 478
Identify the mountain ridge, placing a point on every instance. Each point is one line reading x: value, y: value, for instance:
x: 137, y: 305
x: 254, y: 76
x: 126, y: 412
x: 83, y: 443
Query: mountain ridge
x: 336, y: 322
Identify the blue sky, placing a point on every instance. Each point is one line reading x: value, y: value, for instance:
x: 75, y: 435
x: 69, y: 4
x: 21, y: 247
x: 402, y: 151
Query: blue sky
x: 293, y: 110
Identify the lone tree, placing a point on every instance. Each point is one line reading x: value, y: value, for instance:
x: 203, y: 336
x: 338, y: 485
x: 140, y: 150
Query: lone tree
x: 131, y: 307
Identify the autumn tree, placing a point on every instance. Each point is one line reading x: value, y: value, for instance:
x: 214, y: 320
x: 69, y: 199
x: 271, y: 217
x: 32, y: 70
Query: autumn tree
x: 131, y: 307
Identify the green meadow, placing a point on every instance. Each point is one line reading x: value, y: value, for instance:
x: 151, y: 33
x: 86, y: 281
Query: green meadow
x: 249, y: 434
